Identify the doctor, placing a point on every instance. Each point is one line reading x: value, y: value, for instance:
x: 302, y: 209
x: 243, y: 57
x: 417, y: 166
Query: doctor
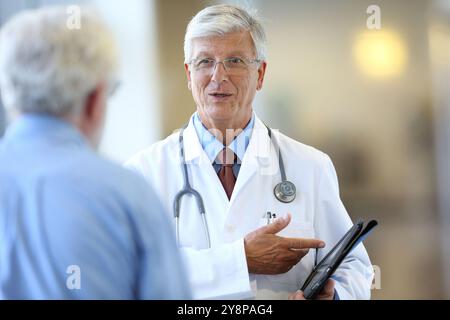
x: 242, y: 234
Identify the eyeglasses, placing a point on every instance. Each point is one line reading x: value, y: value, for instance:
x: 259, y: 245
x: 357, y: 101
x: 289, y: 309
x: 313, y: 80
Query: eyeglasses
x: 231, y: 65
x: 113, y: 87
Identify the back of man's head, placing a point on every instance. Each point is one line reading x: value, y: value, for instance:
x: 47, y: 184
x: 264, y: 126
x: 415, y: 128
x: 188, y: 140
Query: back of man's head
x: 50, y: 65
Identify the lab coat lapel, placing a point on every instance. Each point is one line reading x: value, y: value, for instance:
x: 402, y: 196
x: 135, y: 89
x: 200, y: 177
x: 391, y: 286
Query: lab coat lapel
x: 256, y: 158
x: 192, y: 147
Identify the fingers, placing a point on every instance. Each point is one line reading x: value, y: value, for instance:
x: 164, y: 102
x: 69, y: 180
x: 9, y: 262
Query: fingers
x: 303, y: 243
x: 328, y: 289
x: 295, y: 256
x: 300, y: 254
x: 327, y: 292
x: 276, y: 226
x: 298, y: 295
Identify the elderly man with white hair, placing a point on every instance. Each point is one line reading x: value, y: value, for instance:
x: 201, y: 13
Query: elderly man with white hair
x: 225, y: 176
x: 72, y: 225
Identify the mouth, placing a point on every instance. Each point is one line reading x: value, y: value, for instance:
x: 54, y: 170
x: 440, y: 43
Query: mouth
x: 220, y: 95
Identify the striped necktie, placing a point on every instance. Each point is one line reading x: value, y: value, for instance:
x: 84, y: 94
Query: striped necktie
x: 226, y: 159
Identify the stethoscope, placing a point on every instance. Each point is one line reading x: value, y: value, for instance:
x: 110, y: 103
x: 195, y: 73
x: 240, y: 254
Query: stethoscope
x: 284, y: 191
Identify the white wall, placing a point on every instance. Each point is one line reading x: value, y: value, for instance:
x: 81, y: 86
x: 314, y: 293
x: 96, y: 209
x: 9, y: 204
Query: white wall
x: 133, y: 115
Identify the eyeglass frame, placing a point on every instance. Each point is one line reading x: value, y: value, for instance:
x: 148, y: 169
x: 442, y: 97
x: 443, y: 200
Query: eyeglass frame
x: 247, y: 62
x: 113, y: 87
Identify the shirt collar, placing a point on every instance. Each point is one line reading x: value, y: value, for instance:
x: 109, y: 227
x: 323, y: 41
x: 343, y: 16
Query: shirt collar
x: 31, y: 127
x: 212, y: 146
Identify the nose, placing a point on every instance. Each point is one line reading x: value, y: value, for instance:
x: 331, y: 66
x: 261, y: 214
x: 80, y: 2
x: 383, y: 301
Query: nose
x: 219, y: 73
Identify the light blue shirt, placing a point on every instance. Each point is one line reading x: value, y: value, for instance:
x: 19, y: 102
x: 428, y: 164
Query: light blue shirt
x: 212, y: 146
x: 69, y: 219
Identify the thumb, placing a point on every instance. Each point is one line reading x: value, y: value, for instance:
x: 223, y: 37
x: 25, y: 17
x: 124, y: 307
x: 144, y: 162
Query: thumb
x: 276, y: 226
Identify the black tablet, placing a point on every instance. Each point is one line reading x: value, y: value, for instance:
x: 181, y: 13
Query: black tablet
x: 328, y: 265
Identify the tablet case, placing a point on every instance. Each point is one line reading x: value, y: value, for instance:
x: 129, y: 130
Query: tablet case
x: 328, y: 265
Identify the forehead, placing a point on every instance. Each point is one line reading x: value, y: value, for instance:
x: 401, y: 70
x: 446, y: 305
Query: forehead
x: 236, y: 43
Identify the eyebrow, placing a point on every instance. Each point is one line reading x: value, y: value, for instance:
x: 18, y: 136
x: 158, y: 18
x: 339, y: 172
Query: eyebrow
x: 232, y: 54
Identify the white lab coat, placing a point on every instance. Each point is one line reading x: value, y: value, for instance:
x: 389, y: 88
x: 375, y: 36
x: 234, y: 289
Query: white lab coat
x: 317, y: 212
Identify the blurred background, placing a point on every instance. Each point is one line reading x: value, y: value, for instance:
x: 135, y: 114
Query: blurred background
x: 376, y: 100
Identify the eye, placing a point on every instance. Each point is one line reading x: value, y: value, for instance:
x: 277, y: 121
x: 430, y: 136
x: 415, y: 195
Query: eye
x: 236, y: 61
x: 201, y: 63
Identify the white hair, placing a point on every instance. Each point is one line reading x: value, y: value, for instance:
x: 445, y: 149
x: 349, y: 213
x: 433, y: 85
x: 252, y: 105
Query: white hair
x: 48, y: 67
x: 222, y: 19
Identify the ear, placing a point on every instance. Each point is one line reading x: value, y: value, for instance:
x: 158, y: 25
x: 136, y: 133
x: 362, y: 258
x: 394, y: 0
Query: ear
x: 91, y: 118
x: 94, y: 106
x: 261, y: 74
x: 188, y: 75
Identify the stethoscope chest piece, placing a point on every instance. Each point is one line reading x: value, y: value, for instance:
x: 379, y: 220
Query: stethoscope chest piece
x: 285, y: 191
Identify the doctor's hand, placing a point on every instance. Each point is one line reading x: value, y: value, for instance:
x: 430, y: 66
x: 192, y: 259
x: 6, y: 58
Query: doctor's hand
x: 327, y: 293
x: 268, y: 253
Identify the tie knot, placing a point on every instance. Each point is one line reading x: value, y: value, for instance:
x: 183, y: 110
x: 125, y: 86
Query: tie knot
x: 226, y: 157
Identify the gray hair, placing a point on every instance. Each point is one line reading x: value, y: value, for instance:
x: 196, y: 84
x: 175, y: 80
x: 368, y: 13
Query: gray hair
x: 46, y: 66
x: 223, y: 19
